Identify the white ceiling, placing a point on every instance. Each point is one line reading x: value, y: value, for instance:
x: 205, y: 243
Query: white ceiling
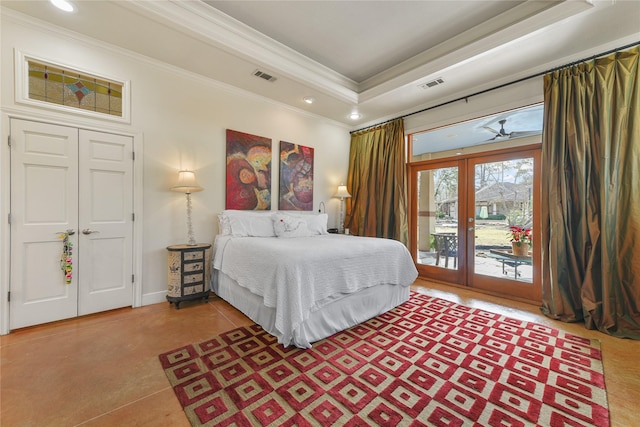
x: 369, y: 57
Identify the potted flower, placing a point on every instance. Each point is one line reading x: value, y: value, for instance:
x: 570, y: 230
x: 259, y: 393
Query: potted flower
x: 521, y: 240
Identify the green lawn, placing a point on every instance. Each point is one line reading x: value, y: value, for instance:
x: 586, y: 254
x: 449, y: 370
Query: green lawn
x: 488, y: 233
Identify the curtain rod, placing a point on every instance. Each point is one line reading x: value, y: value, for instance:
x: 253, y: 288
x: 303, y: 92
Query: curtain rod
x: 466, y: 98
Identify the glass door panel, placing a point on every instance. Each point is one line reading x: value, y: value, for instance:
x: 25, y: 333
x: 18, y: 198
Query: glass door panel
x: 503, y: 198
x: 438, y: 208
x: 505, y: 188
x: 438, y: 217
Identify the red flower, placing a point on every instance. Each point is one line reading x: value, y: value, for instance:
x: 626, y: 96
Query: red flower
x: 520, y: 234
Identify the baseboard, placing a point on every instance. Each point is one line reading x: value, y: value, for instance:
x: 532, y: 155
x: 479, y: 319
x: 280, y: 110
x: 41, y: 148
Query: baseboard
x: 154, y: 298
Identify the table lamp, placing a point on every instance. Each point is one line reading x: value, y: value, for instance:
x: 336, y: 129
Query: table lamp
x: 342, y: 193
x: 187, y: 184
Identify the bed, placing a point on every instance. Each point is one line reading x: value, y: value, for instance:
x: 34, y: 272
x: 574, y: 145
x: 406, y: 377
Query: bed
x: 300, y: 283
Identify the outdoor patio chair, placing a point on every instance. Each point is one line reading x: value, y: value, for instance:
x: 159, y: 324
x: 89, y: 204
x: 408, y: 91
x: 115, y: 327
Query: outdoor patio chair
x: 446, y: 246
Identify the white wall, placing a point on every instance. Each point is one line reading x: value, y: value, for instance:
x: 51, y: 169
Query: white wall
x: 182, y: 120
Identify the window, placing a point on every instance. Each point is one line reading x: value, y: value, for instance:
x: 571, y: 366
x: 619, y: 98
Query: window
x: 59, y: 87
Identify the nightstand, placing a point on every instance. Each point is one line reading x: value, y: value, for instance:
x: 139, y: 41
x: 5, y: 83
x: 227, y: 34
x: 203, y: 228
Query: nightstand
x: 189, y: 272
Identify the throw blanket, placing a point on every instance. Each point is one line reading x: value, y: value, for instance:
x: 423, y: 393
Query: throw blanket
x: 297, y: 276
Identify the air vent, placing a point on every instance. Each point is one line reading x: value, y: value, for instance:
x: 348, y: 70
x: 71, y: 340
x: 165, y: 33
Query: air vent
x: 432, y: 83
x: 268, y: 77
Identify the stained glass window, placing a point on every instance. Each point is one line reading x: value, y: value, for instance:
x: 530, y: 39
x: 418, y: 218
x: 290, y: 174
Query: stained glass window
x: 70, y: 88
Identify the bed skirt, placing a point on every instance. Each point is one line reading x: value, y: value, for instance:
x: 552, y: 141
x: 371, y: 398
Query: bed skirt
x: 342, y: 313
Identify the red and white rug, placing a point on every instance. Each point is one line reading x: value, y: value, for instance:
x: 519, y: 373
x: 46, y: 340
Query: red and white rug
x: 428, y: 362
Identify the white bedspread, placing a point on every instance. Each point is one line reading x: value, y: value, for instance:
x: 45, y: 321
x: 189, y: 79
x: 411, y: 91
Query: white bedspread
x: 300, y: 275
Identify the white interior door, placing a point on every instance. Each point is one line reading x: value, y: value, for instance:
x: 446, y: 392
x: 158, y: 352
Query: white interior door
x: 106, y: 225
x: 44, y: 203
x: 64, y: 179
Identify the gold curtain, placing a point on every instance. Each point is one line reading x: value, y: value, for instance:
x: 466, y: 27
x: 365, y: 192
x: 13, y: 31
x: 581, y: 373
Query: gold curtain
x: 377, y: 183
x: 591, y: 188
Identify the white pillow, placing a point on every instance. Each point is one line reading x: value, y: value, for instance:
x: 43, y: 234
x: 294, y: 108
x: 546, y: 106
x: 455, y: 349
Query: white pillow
x: 246, y: 223
x: 285, y: 225
x: 317, y: 224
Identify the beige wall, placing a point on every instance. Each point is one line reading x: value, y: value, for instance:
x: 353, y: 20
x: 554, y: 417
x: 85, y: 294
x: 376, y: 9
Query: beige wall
x: 180, y: 119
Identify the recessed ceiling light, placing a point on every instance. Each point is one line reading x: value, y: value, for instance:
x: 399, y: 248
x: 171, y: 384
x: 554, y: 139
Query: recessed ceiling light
x: 354, y: 116
x: 63, y: 5
x: 308, y: 99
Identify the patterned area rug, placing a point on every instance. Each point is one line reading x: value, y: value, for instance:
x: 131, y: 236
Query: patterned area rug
x: 427, y: 362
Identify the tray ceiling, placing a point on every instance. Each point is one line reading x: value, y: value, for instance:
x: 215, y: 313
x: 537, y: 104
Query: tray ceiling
x: 376, y: 58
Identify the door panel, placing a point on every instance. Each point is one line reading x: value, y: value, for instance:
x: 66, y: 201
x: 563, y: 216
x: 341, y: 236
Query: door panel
x: 506, y: 190
x: 106, y: 224
x: 44, y: 183
x: 438, y: 206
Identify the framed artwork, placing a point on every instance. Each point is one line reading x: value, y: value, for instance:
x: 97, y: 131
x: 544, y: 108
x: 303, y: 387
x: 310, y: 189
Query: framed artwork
x: 296, y: 177
x: 248, y: 171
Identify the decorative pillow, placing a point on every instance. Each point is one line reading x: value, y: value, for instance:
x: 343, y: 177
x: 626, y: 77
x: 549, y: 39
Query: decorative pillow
x: 246, y: 223
x: 317, y: 224
x: 223, y: 225
x: 285, y: 225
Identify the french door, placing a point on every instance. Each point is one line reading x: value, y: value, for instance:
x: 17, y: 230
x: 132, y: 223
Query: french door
x: 75, y: 183
x: 462, y: 210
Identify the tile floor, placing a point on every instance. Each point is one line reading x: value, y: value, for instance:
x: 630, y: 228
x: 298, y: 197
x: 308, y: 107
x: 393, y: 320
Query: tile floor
x: 103, y: 370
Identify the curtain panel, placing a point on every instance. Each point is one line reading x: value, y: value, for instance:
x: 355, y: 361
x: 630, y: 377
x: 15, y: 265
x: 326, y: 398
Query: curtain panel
x: 377, y: 183
x: 591, y: 194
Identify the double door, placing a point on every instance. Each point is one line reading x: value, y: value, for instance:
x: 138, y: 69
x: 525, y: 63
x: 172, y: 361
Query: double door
x: 70, y: 189
x: 462, y: 211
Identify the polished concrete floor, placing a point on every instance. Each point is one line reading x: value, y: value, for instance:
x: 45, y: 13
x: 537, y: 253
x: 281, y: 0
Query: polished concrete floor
x: 103, y: 370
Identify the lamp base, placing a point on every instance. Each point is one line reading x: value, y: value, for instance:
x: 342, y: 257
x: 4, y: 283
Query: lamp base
x: 341, y: 217
x: 191, y: 241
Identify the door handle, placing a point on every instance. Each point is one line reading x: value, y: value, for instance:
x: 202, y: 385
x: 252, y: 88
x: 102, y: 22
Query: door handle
x: 470, y: 229
x: 69, y: 232
x: 89, y: 231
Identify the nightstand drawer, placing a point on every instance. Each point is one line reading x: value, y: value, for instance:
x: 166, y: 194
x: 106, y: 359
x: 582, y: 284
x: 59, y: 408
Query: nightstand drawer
x: 193, y: 278
x: 193, y: 290
x: 193, y: 267
x: 193, y: 255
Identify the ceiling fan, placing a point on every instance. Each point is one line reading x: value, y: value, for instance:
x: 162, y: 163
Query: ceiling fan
x: 503, y: 134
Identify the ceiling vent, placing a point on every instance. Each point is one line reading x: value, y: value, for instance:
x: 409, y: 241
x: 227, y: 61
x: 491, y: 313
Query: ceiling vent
x: 432, y: 83
x: 268, y: 77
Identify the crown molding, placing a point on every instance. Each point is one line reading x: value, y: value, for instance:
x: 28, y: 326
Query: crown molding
x: 522, y: 20
x: 199, y: 20
x: 39, y: 25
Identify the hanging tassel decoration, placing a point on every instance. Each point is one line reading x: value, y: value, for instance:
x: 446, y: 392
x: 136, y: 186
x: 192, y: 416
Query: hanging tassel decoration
x: 66, y: 260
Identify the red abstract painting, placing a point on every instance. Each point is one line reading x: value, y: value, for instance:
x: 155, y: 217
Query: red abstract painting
x: 248, y: 171
x: 296, y: 177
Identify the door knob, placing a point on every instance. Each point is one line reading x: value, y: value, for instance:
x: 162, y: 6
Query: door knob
x: 89, y: 231
x: 470, y: 229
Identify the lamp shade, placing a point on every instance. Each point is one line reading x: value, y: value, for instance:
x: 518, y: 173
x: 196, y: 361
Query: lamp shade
x: 342, y: 191
x: 187, y: 183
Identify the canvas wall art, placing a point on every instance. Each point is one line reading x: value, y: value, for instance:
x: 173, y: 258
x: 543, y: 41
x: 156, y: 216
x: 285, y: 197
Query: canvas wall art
x: 296, y: 177
x: 248, y: 171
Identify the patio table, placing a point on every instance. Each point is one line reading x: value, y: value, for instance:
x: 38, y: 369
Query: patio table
x: 507, y: 256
